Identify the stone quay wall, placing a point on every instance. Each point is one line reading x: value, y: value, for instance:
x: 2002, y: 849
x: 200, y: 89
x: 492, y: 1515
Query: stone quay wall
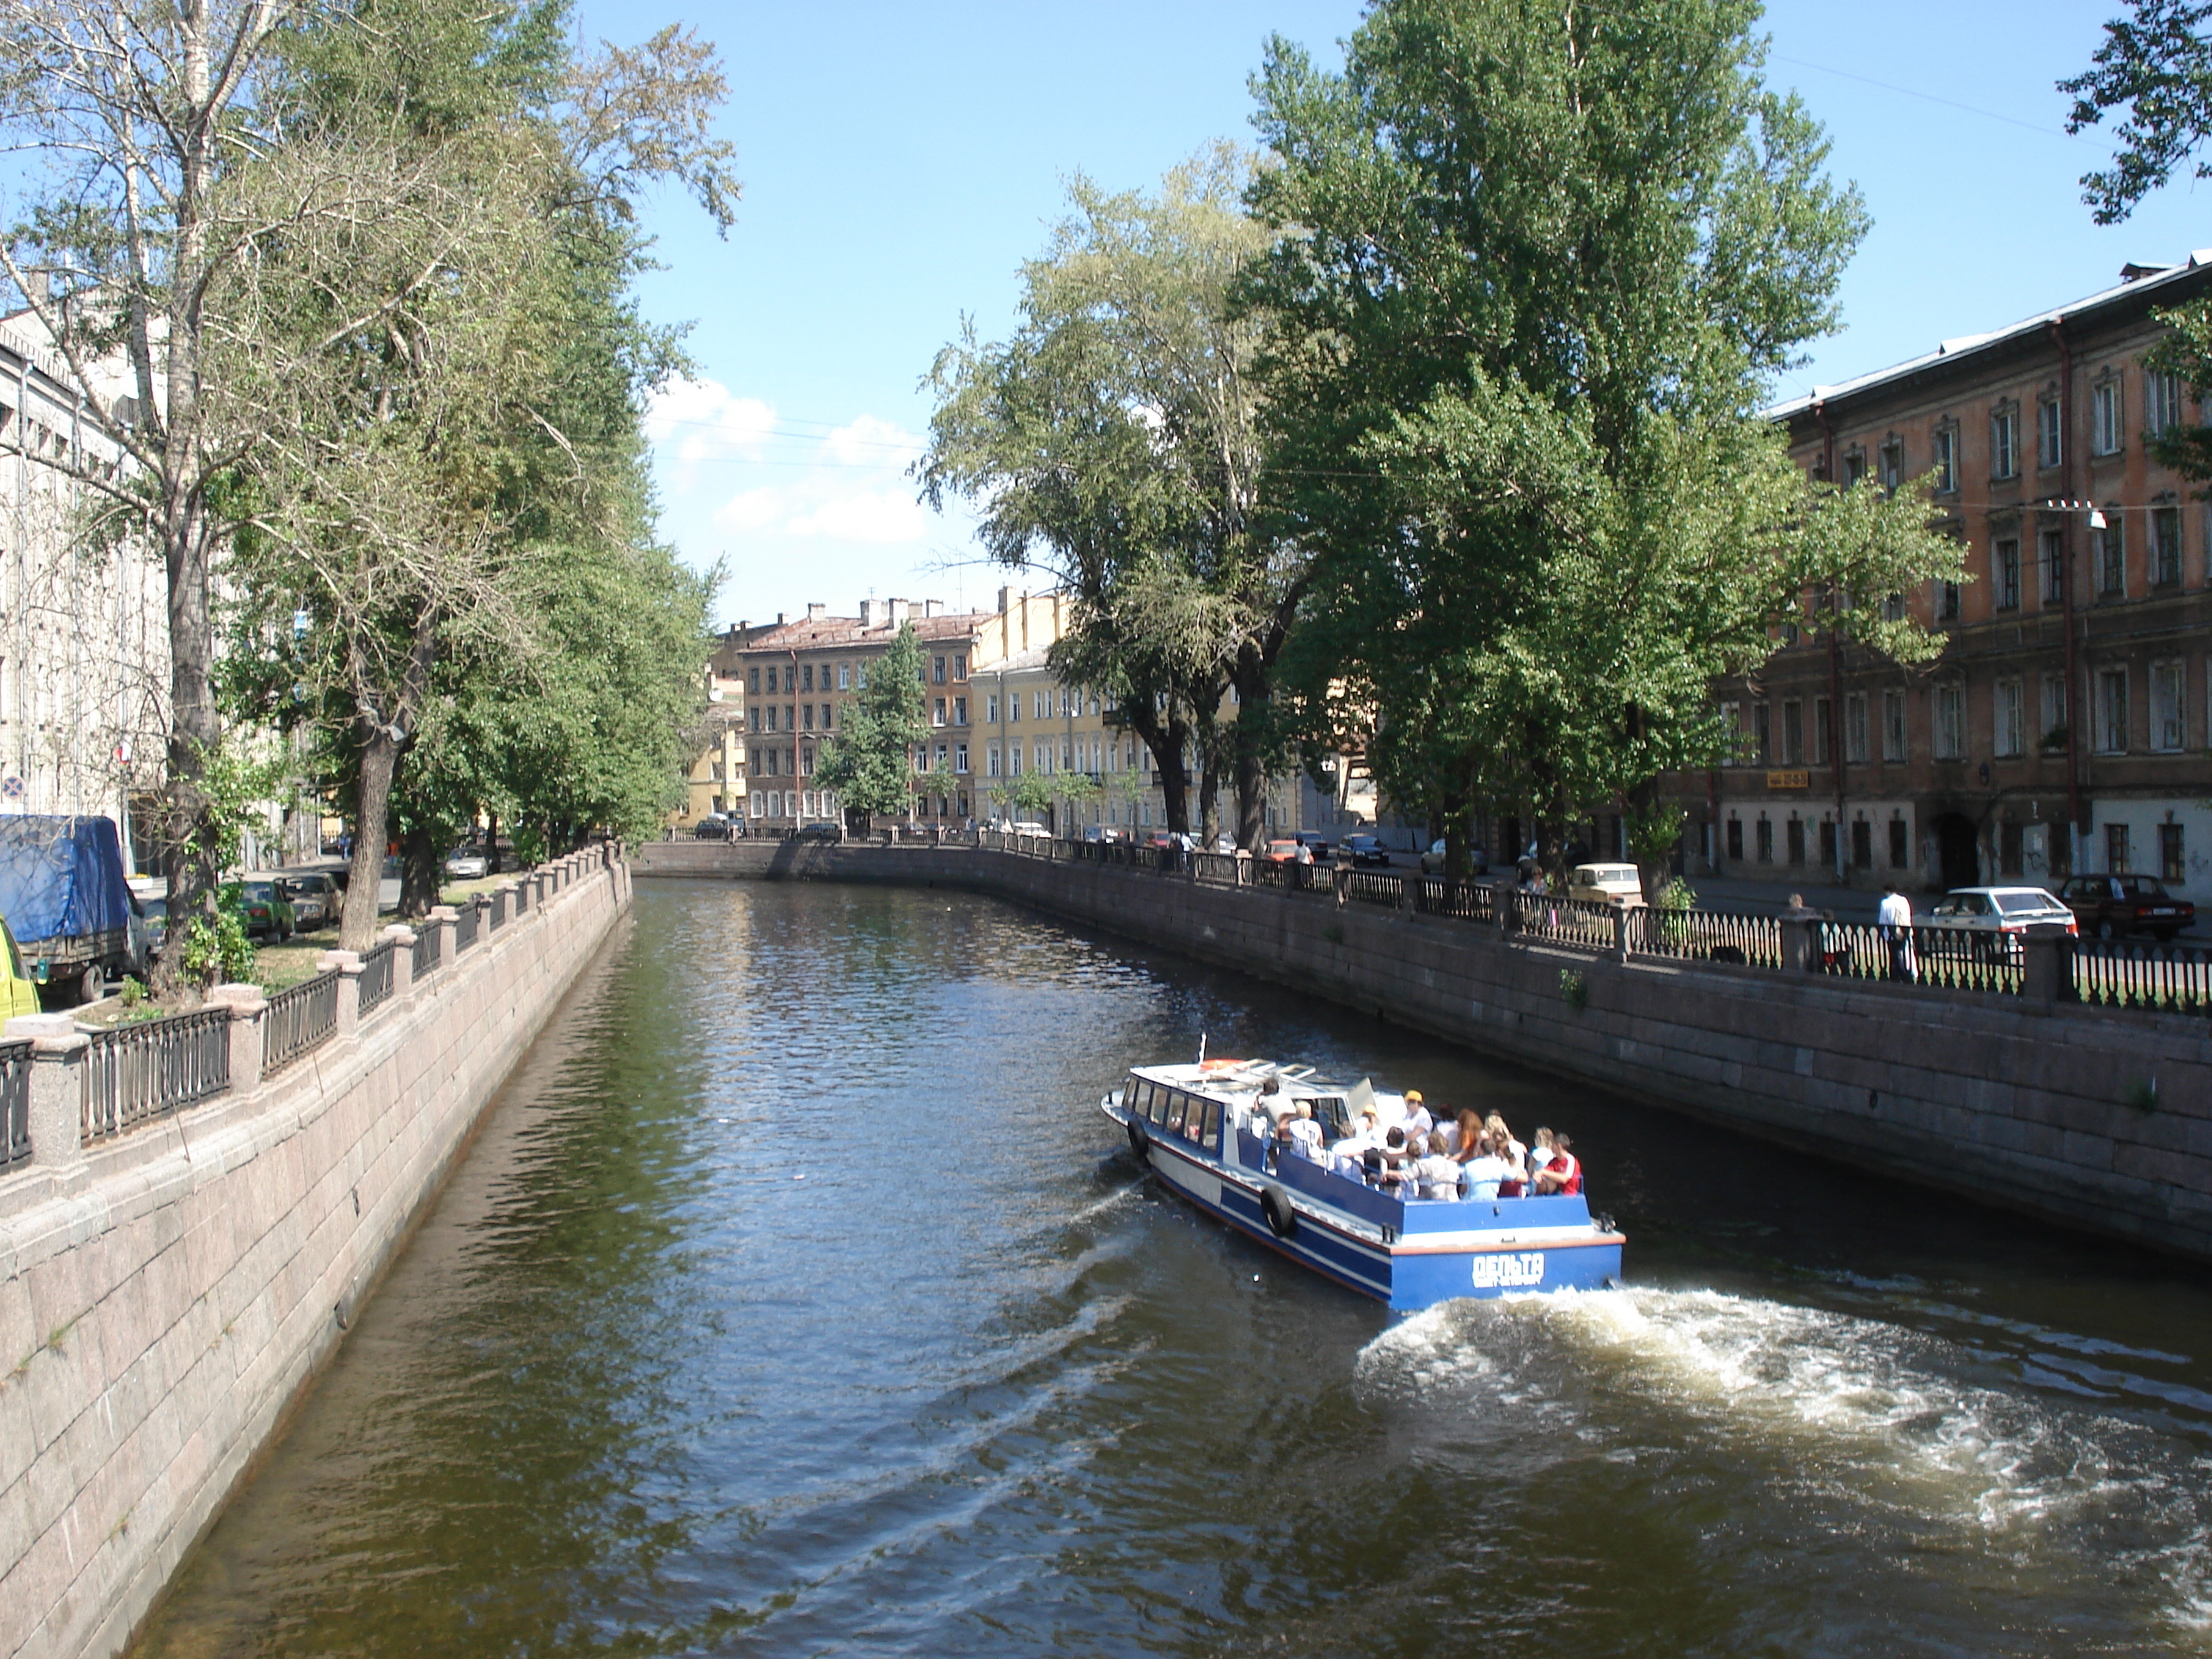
x: 167, y: 1291
x: 2097, y: 1119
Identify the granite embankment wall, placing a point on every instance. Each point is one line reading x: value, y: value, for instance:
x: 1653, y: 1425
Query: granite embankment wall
x: 165, y: 1293
x: 2101, y: 1120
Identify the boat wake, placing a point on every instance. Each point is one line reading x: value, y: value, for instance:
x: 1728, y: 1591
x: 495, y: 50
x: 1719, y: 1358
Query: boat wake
x: 1852, y: 1421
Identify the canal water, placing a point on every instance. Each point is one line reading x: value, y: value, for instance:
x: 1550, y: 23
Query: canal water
x: 796, y: 1299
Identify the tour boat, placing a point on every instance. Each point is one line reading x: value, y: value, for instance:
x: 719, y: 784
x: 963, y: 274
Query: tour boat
x: 1203, y: 1129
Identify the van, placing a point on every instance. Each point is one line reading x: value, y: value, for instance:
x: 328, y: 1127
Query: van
x: 18, y: 995
x: 1620, y: 884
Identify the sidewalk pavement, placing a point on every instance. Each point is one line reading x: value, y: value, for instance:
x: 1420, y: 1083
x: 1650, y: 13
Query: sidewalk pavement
x: 1771, y: 898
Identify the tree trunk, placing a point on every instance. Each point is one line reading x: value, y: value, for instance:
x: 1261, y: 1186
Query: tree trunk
x: 420, y: 873
x: 491, y: 843
x: 380, y: 759
x: 1209, y: 803
x: 188, y: 857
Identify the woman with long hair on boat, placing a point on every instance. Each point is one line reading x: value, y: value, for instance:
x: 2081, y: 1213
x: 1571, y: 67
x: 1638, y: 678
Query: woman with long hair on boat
x: 1503, y: 1143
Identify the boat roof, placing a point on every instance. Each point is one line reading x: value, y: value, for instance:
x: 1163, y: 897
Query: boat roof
x: 1241, y: 1080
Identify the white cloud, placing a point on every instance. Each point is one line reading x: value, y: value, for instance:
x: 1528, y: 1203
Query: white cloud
x: 750, y: 509
x: 869, y: 442
x: 704, y: 420
x: 883, y: 517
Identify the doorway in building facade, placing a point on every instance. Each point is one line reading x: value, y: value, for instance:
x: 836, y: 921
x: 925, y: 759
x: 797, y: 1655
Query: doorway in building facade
x: 1956, y: 851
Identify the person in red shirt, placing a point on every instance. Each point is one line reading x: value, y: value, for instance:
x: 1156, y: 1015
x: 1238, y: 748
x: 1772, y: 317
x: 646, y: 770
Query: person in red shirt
x: 1563, y: 1175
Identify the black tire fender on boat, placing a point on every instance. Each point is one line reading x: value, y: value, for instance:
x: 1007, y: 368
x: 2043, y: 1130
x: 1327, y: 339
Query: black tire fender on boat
x: 1141, y: 1142
x: 1275, y: 1205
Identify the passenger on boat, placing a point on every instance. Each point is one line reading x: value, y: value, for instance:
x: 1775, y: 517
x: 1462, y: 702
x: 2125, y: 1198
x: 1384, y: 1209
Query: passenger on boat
x: 1503, y: 1143
x: 1418, y: 1121
x: 1286, y: 1144
x: 1486, y: 1173
x: 1540, y: 1153
x: 1390, y: 1164
x: 1349, y: 1156
x: 1438, y: 1171
x: 1564, y: 1173
x: 1306, y: 1130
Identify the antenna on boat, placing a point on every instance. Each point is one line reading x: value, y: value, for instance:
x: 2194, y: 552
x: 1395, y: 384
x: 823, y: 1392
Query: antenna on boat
x: 1201, y: 1047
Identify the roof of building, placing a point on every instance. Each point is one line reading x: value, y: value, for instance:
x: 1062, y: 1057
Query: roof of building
x: 1035, y: 657
x: 2140, y: 285
x: 825, y: 632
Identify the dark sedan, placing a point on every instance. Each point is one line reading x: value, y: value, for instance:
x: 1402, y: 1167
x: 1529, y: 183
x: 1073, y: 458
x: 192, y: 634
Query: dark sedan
x: 2113, y: 907
x: 1358, y: 850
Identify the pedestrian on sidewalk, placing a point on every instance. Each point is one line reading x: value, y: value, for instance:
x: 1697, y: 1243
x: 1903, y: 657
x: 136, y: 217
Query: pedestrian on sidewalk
x: 1895, y: 919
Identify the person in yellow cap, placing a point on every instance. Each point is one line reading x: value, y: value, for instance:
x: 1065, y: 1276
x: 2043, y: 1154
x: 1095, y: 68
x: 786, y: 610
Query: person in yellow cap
x: 1418, y: 1121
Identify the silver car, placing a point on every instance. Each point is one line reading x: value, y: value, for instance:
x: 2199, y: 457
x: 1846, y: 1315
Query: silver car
x: 466, y: 864
x: 315, y: 898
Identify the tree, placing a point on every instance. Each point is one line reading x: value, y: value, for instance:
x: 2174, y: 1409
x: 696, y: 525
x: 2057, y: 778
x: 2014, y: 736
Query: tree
x: 1534, y: 268
x: 1115, y: 440
x: 870, y: 763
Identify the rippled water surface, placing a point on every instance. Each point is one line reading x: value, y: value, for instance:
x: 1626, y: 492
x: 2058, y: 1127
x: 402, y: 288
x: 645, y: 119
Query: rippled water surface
x: 797, y: 1299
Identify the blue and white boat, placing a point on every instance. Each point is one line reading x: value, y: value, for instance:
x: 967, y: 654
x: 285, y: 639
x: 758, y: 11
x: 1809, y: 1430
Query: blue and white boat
x: 1202, y: 1128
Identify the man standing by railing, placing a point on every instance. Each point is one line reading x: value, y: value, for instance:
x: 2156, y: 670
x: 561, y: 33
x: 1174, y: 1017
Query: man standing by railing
x: 1895, y: 919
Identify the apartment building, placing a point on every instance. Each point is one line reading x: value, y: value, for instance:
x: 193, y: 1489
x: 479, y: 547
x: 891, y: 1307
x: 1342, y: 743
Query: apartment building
x: 2064, y: 727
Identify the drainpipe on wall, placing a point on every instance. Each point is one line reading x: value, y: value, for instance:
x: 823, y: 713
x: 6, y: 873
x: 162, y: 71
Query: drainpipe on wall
x: 1835, y: 656
x: 2077, y: 706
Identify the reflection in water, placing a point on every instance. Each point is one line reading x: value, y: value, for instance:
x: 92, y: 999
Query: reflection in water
x: 797, y: 1299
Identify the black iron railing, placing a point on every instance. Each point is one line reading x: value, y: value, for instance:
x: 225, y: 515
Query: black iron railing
x: 135, y: 1074
x: 464, y: 927
x: 298, y: 1019
x: 15, y: 1103
x: 429, y: 941
x: 376, y: 976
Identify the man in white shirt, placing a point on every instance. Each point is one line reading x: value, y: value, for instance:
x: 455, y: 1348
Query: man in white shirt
x: 1418, y: 1121
x: 1307, y: 1132
x: 1895, y: 918
x: 1437, y: 1171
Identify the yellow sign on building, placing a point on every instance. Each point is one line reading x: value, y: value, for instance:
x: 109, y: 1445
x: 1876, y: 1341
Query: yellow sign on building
x: 1788, y: 780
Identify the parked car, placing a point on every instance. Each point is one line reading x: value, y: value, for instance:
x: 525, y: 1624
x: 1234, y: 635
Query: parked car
x: 18, y: 994
x: 1433, y: 860
x: 713, y: 827
x: 2112, y: 907
x: 314, y: 897
x: 1288, y: 852
x: 466, y: 863
x: 265, y: 911
x: 1034, y: 831
x: 1314, y: 842
x: 822, y: 830
x: 1997, y: 916
x: 1359, y: 850
x: 1620, y: 884
x: 154, y: 914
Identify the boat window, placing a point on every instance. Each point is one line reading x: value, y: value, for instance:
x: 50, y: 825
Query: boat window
x: 1133, y: 1098
x: 1163, y: 1097
x: 1173, y: 1122
x: 1213, y: 1134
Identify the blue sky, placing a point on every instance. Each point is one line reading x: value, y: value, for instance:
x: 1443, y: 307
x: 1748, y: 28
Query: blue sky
x: 900, y: 161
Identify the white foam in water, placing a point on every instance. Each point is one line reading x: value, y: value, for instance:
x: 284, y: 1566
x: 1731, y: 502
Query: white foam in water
x: 1880, y: 1410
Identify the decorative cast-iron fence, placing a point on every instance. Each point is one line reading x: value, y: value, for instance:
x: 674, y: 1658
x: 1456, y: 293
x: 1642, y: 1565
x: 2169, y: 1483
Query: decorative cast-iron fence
x: 137, y: 1072
x: 299, y: 1019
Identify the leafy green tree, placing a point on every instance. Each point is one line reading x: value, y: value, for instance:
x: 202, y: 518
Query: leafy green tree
x: 1115, y: 440
x: 1535, y: 269
x: 870, y: 763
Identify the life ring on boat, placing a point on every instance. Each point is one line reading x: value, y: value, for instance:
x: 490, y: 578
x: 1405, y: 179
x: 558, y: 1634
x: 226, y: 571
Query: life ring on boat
x: 1219, y: 1064
x: 1141, y: 1142
x: 1275, y: 1205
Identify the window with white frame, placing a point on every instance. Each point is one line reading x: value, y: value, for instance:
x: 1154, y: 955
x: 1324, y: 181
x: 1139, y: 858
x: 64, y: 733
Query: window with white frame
x: 2054, y: 712
x: 2112, y: 550
x: 960, y: 757
x: 990, y: 711
x: 1893, y: 726
x: 1013, y: 760
x: 1823, y: 728
x: 2050, y: 444
x: 1947, y: 459
x: 2166, y: 545
x: 1893, y: 607
x: 991, y: 761
x: 2167, y: 724
x: 1042, y: 762
x: 844, y: 676
x: 1947, y: 601
x: 2004, y: 573
x: 2004, y: 443
x: 2010, y: 708
x: 1854, y: 728
x: 1792, y: 731
x: 2106, y: 433
x: 1950, y: 720
x: 2161, y: 404
x: 1732, y: 725
x: 1891, y: 463
x: 2050, y: 560
x: 2112, y: 711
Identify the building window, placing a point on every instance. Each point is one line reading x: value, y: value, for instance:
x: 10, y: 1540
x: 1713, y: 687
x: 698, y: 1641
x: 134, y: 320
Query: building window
x: 768, y: 712
x: 1900, y: 848
x: 2161, y: 404
x: 2166, y: 723
x: 827, y: 713
x: 2011, y: 710
x: 1893, y: 607
x: 959, y: 757
x: 1762, y: 733
x: 806, y: 760
x: 1853, y: 466
x: 790, y: 678
x: 1793, y: 840
x: 1891, y: 463
x: 1042, y: 703
x: 1823, y: 719
x: 752, y: 681
x: 990, y: 711
x: 2112, y: 557
x: 2116, y: 849
x: 2050, y: 449
x: 1765, y: 831
x: 2005, y: 444
x: 2106, y: 433
x: 806, y: 677
x: 1854, y: 728
x: 1793, y: 733
x: 937, y: 712
x: 1950, y: 720
x: 1893, y: 726
x: 1862, y: 844
x: 2166, y: 545
x: 991, y: 761
x: 844, y: 676
x: 860, y: 676
x: 1947, y: 459
x: 2054, y: 712
x: 1732, y: 753
x: 937, y: 670
x: 960, y: 668
x: 2051, y: 558
x: 1013, y: 760
x: 943, y: 757
x: 960, y: 711
x: 1043, y: 760
x: 1736, y: 839
x: 2004, y: 572
x: 1014, y: 709
x: 806, y: 709
x: 1947, y: 601
x: 2112, y: 711
x: 2172, y: 865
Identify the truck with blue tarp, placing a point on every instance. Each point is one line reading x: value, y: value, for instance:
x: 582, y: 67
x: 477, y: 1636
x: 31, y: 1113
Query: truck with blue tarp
x: 65, y: 897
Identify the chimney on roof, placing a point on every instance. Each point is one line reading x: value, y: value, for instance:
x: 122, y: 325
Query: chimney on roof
x: 778, y: 619
x: 817, y: 612
x: 1005, y: 595
x: 867, y: 613
x: 900, y: 610
x: 2132, y: 272
x: 932, y: 607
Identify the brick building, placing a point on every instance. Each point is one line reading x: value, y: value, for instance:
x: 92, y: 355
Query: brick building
x: 2064, y: 726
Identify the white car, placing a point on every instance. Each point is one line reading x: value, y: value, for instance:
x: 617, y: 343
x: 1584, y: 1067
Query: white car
x: 466, y: 864
x: 1607, y: 883
x: 1998, y: 910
